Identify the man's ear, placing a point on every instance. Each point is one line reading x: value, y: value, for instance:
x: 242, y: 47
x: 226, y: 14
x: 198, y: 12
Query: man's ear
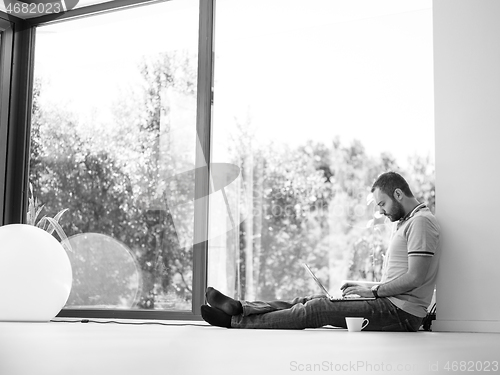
x: 398, y: 194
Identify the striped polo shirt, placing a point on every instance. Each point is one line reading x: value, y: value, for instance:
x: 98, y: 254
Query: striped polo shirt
x: 416, y: 235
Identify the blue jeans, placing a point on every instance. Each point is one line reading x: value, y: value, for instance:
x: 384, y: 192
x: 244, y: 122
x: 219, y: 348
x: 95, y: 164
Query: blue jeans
x: 318, y: 311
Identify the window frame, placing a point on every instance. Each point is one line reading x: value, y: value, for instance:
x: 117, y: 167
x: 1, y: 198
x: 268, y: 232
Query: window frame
x: 6, y: 31
x: 14, y: 157
x: 15, y: 120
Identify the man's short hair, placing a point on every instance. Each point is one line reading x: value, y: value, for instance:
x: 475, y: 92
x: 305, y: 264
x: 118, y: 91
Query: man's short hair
x: 390, y: 181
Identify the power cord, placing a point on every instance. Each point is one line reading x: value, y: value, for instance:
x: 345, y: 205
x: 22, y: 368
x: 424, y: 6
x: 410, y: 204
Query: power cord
x: 128, y: 323
x: 86, y: 321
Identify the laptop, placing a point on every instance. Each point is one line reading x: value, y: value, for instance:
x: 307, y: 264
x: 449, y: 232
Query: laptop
x: 332, y: 298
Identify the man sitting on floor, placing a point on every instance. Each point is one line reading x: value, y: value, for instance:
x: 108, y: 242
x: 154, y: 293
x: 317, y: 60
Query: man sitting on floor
x: 402, y: 297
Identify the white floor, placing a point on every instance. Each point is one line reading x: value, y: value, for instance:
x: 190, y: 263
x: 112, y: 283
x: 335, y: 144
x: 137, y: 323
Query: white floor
x: 94, y: 348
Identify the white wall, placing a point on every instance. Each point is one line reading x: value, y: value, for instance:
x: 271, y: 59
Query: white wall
x: 467, y: 108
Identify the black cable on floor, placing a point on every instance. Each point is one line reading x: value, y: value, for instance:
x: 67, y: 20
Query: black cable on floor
x: 129, y: 323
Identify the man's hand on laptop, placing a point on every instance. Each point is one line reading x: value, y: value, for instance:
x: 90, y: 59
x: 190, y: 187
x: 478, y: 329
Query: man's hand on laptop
x: 350, y: 289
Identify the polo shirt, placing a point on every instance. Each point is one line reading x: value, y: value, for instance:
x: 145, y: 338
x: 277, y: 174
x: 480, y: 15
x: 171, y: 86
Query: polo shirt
x: 415, y: 236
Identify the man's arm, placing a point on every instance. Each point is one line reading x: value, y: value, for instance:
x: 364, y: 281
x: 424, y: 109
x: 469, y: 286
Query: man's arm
x: 418, y: 266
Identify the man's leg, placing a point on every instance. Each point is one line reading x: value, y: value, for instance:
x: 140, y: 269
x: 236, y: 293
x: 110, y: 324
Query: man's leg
x: 222, y: 307
x: 318, y: 312
x: 311, y: 312
x: 234, y: 307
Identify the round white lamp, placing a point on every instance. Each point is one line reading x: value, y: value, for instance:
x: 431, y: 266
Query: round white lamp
x: 35, y: 274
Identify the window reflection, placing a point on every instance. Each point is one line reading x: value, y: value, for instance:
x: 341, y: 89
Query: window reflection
x: 310, y: 102
x: 114, y: 120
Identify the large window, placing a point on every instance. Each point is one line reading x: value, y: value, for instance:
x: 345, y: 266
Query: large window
x: 312, y: 101
x: 113, y: 149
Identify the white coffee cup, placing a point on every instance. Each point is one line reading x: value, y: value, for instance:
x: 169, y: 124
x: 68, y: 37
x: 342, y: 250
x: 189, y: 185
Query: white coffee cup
x: 356, y: 324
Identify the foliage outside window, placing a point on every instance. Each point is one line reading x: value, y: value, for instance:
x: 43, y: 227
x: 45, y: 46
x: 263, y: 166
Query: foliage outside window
x: 119, y: 156
x: 313, y: 108
x: 111, y: 151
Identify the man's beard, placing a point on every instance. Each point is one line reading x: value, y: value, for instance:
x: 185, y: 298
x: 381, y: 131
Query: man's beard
x: 398, y: 211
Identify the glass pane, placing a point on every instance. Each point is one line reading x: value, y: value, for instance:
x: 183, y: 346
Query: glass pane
x: 113, y: 141
x: 312, y: 102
